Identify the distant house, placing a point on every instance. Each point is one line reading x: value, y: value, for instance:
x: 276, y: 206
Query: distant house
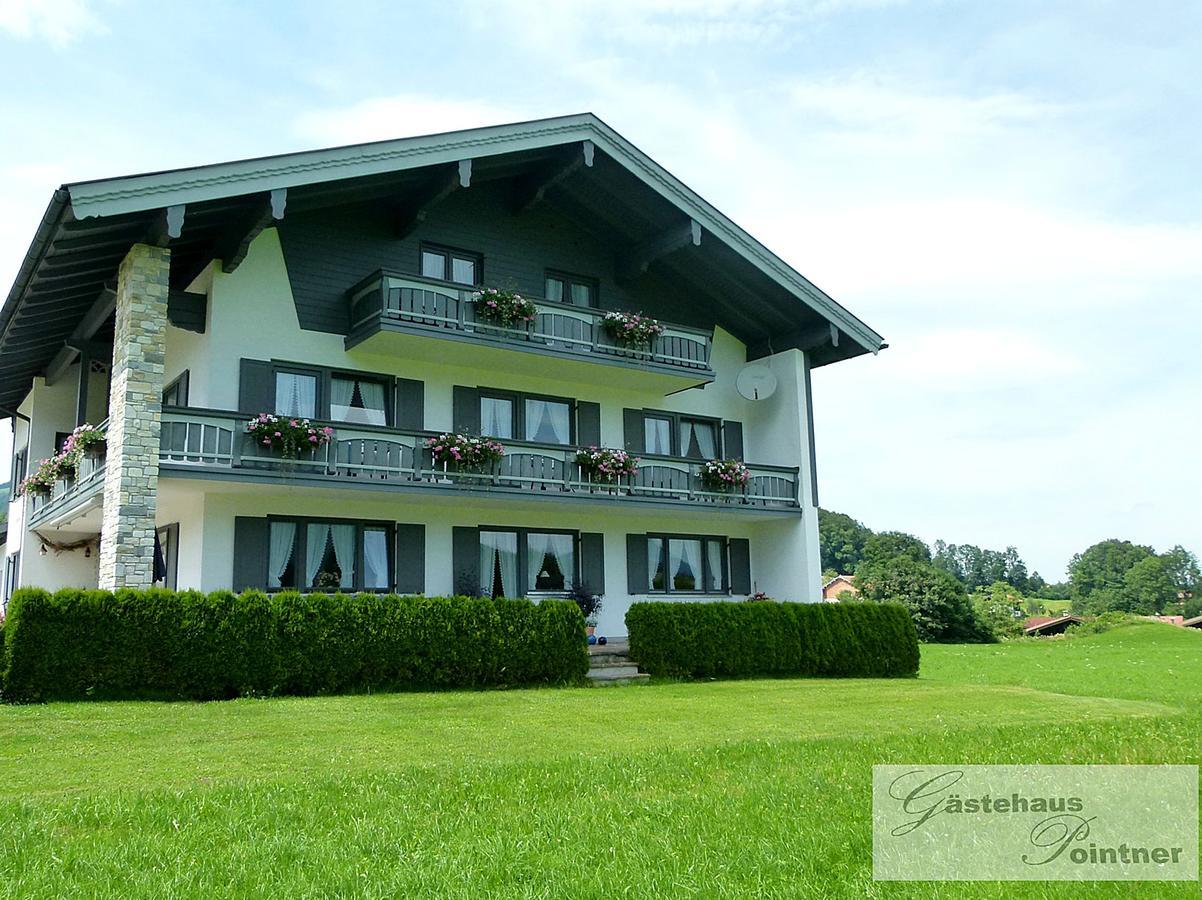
x: 837, y: 586
x: 1040, y: 626
x: 1195, y: 622
x: 1167, y: 620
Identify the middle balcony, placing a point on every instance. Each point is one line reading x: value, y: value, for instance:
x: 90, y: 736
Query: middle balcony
x: 406, y: 315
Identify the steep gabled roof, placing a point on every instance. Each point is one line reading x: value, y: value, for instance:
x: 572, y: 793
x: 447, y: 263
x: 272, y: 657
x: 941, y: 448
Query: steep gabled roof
x: 89, y: 226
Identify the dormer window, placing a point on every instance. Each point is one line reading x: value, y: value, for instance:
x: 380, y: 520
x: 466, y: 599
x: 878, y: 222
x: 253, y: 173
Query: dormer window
x: 448, y: 264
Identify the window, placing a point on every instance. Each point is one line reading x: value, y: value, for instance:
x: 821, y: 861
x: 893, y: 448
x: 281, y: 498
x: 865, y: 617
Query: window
x: 166, y: 555
x: 515, y: 562
x: 296, y: 394
x: 12, y: 569
x: 329, y: 555
x: 357, y: 399
x: 446, y: 264
x: 543, y: 420
x: 657, y: 435
x: 698, y: 438
x: 673, y: 434
x: 176, y: 393
x: 18, y: 469
x: 573, y: 289
x: 685, y: 564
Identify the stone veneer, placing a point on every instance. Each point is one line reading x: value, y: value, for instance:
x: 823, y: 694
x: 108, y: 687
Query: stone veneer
x: 135, y: 418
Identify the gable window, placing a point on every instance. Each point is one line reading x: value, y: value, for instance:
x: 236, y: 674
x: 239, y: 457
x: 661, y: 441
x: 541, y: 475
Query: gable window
x: 572, y: 289
x: 517, y: 416
x: 686, y: 564
x: 447, y: 264
x: 328, y: 555
x: 517, y: 561
x: 296, y: 394
x: 354, y: 398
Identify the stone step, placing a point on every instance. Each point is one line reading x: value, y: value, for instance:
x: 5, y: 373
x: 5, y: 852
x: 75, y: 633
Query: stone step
x: 601, y: 662
x: 607, y: 678
x: 613, y: 671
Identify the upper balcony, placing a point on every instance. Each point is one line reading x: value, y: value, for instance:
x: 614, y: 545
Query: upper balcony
x: 392, y: 313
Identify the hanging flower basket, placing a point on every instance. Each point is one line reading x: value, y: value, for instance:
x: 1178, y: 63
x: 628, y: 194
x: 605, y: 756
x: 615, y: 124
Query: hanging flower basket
x: 724, y: 475
x: 631, y: 330
x: 605, y: 466
x: 500, y: 307
x: 286, y: 436
x: 465, y: 453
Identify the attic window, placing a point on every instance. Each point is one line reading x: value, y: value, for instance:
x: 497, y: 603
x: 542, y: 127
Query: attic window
x: 447, y: 264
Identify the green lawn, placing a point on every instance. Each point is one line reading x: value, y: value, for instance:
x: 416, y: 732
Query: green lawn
x: 752, y: 788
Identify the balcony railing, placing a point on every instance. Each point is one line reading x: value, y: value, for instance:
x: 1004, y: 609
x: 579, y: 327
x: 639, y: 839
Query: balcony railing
x: 204, y: 439
x: 67, y: 493
x: 408, y: 303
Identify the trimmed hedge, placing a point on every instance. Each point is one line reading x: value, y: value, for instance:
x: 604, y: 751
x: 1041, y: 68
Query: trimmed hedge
x: 729, y: 640
x: 160, y: 644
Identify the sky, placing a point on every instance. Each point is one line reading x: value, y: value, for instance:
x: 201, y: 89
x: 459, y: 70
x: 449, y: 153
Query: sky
x: 1009, y: 192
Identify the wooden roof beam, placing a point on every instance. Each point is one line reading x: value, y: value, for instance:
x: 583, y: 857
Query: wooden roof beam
x: 634, y: 263
x: 91, y: 322
x: 167, y: 226
x: 440, y: 186
x: 265, y: 216
x: 529, y: 190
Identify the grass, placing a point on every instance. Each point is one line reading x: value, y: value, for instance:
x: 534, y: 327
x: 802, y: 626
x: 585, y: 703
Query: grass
x: 749, y: 788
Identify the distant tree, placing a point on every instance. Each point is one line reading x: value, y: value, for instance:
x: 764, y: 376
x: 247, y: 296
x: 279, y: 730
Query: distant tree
x: 895, y: 545
x: 1148, y: 586
x: 941, y: 609
x: 1035, y: 583
x: 1103, y: 566
x: 1061, y: 590
x: 841, y: 541
x: 979, y: 568
x: 1001, y: 607
x: 1184, y: 570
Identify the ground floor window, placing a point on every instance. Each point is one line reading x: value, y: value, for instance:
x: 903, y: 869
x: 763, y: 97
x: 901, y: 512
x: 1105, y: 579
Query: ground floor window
x: 514, y: 562
x: 12, y: 566
x: 166, y: 555
x: 329, y: 555
x: 686, y: 564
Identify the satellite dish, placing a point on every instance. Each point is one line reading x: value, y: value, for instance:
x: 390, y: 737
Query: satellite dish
x: 756, y: 382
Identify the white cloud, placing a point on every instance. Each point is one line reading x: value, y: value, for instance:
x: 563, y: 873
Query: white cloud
x: 60, y: 22
x: 403, y: 115
x: 976, y: 359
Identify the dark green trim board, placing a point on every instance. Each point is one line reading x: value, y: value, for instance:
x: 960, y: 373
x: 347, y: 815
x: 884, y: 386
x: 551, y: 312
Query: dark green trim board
x: 410, y: 404
x: 187, y: 311
x: 636, y: 564
x: 739, y: 550
x: 410, y: 559
x: 634, y: 439
x: 465, y: 560
x: 588, y: 423
x: 592, y: 562
x: 465, y: 410
x: 250, y: 552
x: 256, y: 386
x: 732, y: 440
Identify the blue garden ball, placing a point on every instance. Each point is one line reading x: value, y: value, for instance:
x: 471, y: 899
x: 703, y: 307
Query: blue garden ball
x: 602, y: 641
x: 592, y: 639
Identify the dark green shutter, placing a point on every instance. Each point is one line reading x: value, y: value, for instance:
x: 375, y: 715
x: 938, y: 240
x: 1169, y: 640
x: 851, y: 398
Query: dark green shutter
x: 592, y: 562
x: 740, y: 566
x: 465, y: 403
x: 636, y: 564
x: 588, y: 424
x: 256, y: 387
x: 732, y: 440
x: 810, y: 423
x: 465, y: 560
x: 410, y: 559
x: 410, y: 404
x: 632, y: 425
x: 250, y: 553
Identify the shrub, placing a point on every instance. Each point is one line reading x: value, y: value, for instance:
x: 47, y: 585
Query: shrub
x: 85, y: 644
x: 941, y: 610
x: 727, y: 640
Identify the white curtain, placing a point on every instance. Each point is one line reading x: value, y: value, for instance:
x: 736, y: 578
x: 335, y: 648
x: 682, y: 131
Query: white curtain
x: 713, y: 554
x: 344, y: 551
x: 684, y: 559
x: 372, y: 395
x: 295, y: 395
x: 316, y: 537
x: 342, y: 392
x: 697, y: 439
x: 499, y: 548
x: 547, y: 422
x: 375, y: 558
x: 656, y: 564
x: 496, y: 417
x: 283, y: 539
x: 657, y: 436
x: 556, y: 546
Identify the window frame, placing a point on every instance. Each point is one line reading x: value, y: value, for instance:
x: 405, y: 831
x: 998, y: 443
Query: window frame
x: 18, y: 469
x: 569, y: 279
x: 180, y: 385
x: 449, y: 254
x: 12, y: 576
x: 523, y: 553
x: 324, y: 376
x: 676, y: 418
x: 518, y: 399
x: 298, y: 551
x: 723, y: 582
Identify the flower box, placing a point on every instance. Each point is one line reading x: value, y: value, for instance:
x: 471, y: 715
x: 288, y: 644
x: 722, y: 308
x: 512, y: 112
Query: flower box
x: 724, y: 475
x: 287, y: 436
x: 606, y: 466
x: 508, y: 309
x: 464, y: 453
x: 633, y: 331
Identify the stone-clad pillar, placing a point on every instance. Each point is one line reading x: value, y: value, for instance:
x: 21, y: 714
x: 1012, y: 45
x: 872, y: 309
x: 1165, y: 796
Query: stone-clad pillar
x: 131, y: 475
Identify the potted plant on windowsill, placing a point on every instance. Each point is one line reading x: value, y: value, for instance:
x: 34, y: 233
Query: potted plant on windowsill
x: 724, y: 475
x: 606, y: 466
x: 286, y: 436
x: 590, y: 607
x: 631, y: 331
x: 464, y: 453
x: 508, y: 309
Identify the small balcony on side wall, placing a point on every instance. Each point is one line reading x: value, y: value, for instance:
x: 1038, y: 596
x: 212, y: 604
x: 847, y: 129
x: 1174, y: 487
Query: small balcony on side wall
x: 210, y: 444
x: 72, y: 502
x: 394, y: 314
